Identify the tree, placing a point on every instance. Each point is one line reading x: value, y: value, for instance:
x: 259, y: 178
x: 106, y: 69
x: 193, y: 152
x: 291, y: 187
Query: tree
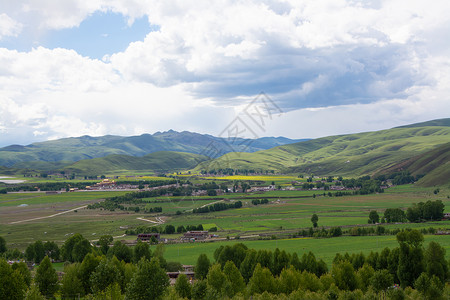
x: 87, y: 267
x: 75, y: 248
x: 430, y: 288
x: 248, y: 265
x: 410, y: 264
x: 34, y: 294
x: 29, y: 252
x: 381, y: 280
x: 22, y: 268
x: 12, y: 285
x: 234, y: 278
x: 435, y: 262
x: 261, y: 281
x: 2, y: 245
x: 314, y: 220
x: 71, y: 285
x: 141, y: 250
x: 183, y: 287
x: 121, y: 251
x: 149, y: 282
x: 51, y: 250
x: 104, y: 242
x: 80, y: 250
x: 105, y: 274
x: 199, y: 290
x: 373, y: 217
x: 365, y: 275
x: 46, y: 278
x: 169, y: 229
x: 216, y: 280
x: 289, y: 280
x: 344, y: 275
x: 181, y: 229
x: 202, y: 266
x: 39, y: 251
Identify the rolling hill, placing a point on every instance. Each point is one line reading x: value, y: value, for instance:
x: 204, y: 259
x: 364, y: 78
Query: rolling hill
x: 70, y: 150
x: 434, y: 164
x: 351, y: 154
x: 161, y: 161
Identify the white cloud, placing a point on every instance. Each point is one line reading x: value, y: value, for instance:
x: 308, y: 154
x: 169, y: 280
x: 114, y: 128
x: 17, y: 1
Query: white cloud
x: 361, y: 63
x: 8, y: 26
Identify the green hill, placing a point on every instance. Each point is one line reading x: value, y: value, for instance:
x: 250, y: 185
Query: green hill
x: 87, y: 147
x: 437, y: 122
x: 434, y: 164
x: 352, y: 154
x: 162, y: 161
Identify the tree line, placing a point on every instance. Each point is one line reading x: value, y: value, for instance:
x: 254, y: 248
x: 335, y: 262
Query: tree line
x: 113, y: 272
x: 217, y: 207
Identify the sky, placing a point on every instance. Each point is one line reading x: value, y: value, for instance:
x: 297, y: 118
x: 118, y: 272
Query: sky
x: 97, y: 67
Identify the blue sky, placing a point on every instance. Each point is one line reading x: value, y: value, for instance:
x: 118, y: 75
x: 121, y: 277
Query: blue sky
x: 80, y: 67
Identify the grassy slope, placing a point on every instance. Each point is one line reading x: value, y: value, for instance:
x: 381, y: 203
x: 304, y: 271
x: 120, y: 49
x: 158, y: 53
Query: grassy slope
x: 86, y: 147
x: 158, y: 161
x: 435, y: 164
x: 352, y: 154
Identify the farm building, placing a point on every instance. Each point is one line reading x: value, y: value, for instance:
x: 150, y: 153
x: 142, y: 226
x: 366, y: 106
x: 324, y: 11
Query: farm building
x: 148, y: 236
x: 195, y: 235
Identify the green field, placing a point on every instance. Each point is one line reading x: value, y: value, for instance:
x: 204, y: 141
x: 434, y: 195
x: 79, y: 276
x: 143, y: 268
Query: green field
x: 326, y: 249
x: 52, y: 217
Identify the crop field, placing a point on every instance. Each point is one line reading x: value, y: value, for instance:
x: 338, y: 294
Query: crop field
x: 27, y: 217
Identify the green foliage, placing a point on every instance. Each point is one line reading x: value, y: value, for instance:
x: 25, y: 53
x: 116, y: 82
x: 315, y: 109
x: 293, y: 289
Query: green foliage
x: 105, y: 274
x: 183, y: 287
x: 149, y: 282
x: 216, y: 279
x: 46, y: 278
x: 392, y: 215
x: 141, y: 250
x: 121, y: 251
x: 429, y: 287
x: 34, y: 294
x: 435, y: 262
x: 411, y: 263
x: 202, y: 266
x: 12, y: 285
x: 104, y: 242
x: 235, y: 281
x: 2, y: 245
x: 381, y: 280
x: 314, y: 220
x: 22, y: 268
x: 87, y: 267
x: 75, y: 248
x: 430, y: 210
x: 373, y: 217
x: 71, y: 285
x: 261, y: 281
x: 344, y: 275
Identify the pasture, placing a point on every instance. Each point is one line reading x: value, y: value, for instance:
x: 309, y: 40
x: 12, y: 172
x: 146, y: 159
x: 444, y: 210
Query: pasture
x: 27, y: 217
x: 324, y: 248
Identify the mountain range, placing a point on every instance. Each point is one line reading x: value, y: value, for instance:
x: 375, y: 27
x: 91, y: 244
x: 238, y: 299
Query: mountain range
x: 421, y: 148
x: 61, y: 152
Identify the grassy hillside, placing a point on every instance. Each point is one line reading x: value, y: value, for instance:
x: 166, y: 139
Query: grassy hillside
x: 437, y: 122
x: 158, y: 161
x: 434, y: 163
x: 86, y: 147
x: 352, y: 154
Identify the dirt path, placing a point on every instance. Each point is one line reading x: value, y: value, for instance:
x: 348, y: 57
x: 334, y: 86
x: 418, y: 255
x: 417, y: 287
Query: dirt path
x: 51, y: 216
x: 158, y: 220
